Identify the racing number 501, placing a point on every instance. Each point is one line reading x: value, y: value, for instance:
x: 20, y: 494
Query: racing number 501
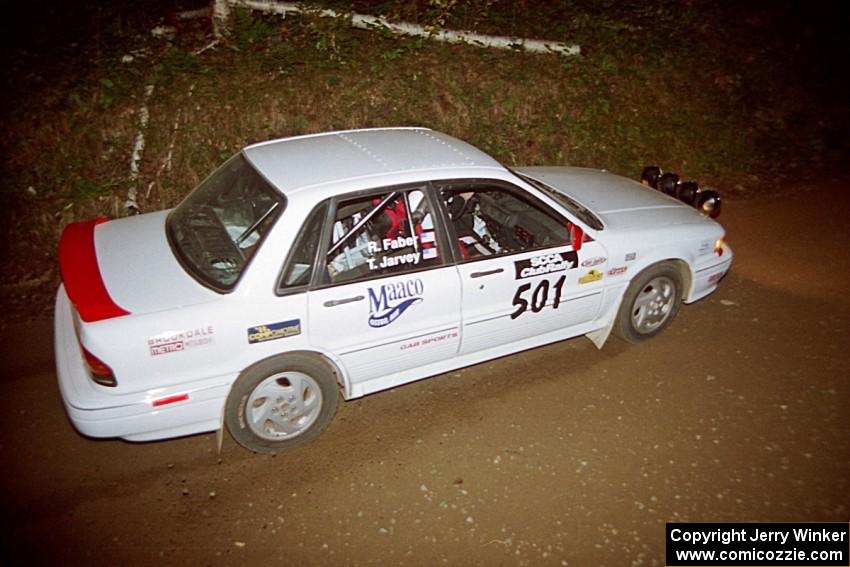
x: 539, y: 297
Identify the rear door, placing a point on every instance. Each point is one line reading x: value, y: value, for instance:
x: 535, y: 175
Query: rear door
x: 387, y: 298
x: 520, y: 275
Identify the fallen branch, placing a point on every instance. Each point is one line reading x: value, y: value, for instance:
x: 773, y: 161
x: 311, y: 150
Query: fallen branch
x: 138, y: 148
x: 166, y: 163
x: 363, y: 21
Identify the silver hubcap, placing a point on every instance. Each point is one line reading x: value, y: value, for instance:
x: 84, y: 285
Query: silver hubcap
x: 284, y: 405
x: 653, y: 304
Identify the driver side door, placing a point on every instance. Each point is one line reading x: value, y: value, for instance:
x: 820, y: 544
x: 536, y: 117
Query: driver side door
x: 520, y: 275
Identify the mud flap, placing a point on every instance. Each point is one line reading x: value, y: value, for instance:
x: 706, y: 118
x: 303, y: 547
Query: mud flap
x: 219, y: 435
x: 600, y: 336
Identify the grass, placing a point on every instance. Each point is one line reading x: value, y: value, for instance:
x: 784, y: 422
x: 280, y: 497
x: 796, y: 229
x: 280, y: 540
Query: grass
x: 669, y: 83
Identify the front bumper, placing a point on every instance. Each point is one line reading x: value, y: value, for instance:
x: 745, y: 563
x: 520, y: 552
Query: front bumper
x: 95, y: 411
x: 707, y: 275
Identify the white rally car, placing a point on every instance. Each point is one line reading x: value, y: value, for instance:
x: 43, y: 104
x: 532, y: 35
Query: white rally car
x: 354, y: 262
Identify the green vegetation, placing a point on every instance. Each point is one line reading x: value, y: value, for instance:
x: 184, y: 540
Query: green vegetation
x: 693, y: 86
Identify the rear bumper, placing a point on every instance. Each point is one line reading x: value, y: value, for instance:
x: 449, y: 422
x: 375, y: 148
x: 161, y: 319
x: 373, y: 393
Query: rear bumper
x: 707, y: 276
x: 97, y: 412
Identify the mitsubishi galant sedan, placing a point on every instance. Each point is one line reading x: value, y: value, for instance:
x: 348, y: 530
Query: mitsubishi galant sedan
x: 346, y: 263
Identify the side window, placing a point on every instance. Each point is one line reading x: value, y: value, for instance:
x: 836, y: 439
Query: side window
x: 384, y: 234
x: 491, y: 220
x: 299, y: 266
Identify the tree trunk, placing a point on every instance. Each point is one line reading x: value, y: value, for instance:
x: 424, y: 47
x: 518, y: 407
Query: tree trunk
x: 221, y: 18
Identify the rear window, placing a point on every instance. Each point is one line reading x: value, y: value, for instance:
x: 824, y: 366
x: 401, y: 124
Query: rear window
x: 216, y: 230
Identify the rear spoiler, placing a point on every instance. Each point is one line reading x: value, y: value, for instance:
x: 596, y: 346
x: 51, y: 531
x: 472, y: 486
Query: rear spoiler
x: 81, y: 274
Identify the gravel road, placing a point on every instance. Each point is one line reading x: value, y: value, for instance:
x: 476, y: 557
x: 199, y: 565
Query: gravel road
x: 563, y: 455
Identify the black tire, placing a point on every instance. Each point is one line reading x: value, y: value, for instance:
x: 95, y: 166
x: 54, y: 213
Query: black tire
x: 650, y: 303
x: 305, y: 399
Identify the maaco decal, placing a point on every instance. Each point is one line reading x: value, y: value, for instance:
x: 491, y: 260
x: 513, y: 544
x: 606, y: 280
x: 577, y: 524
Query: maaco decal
x: 545, y: 264
x: 388, y: 302
x: 273, y: 331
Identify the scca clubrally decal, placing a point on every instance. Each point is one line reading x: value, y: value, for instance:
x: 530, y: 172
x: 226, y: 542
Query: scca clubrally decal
x: 273, y: 331
x: 545, y: 264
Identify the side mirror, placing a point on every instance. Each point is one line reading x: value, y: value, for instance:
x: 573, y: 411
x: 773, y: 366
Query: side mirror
x: 576, y: 235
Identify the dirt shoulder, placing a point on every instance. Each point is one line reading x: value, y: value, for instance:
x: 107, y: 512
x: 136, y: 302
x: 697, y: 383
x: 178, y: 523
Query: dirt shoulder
x: 563, y: 455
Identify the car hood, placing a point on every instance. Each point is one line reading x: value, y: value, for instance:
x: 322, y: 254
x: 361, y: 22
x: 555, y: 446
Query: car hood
x: 124, y: 266
x: 620, y: 203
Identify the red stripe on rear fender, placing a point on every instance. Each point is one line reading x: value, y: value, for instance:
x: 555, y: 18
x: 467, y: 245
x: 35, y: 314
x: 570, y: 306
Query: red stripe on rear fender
x: 81, y: 274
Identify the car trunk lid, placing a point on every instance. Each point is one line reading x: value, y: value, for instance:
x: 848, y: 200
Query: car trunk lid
x: 125, y: 266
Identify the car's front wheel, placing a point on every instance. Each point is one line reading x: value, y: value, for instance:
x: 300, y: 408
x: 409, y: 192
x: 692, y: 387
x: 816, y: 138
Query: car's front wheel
x: 650, y: 303
x: 281, y: 402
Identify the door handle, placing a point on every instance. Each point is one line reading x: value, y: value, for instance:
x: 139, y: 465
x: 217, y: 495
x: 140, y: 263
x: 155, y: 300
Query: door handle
x: 335, y: 302
x: 486, y: 273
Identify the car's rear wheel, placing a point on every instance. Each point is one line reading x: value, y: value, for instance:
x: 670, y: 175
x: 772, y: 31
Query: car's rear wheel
x: 650, y: 303
x: 281, y: 403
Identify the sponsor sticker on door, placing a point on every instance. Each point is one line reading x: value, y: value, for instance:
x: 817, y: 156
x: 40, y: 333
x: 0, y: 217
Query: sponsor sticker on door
x: 388, y: 302
x: 545, y: 264
x: 274, y: 331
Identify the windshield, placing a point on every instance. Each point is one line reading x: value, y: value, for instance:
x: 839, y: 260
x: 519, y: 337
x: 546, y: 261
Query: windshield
x: 571, y: 205
x: 219, y: 226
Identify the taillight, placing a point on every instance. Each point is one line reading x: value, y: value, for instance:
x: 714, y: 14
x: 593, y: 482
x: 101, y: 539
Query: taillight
x: 718, y: 247
x: 99, y: 370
